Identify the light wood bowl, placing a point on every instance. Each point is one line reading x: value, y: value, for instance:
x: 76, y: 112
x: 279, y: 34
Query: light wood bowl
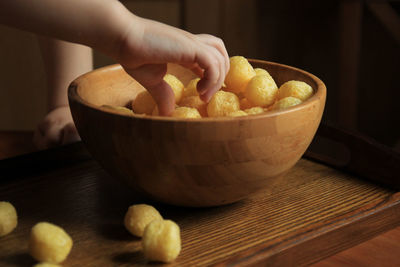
x: 200, y: 162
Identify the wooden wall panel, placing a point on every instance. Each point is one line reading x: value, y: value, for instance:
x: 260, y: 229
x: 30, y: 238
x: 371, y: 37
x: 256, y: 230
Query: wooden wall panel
x: 240, y: 27
x: 203, y: 16
x: 235, y: 21
x: 350, y: 42
x: 22, y: 80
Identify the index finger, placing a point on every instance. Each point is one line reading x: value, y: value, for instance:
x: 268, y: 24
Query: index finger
x: 150, y: 76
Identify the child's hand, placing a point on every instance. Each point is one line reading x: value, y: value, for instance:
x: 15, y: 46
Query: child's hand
x: 148, y: 46
x: 57, y: 128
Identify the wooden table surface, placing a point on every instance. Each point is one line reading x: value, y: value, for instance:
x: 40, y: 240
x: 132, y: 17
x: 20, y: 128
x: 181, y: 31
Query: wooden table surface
x: 95, y: 225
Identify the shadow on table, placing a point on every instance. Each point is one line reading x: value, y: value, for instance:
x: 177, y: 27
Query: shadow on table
x: 18, y: 259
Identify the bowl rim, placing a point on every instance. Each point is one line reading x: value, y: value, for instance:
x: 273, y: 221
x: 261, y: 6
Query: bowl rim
x: 320, y: 93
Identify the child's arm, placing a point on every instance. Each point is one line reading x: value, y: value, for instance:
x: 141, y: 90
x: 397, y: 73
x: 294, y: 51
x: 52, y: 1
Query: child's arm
x: 63, y: 62
x: 143, y: 47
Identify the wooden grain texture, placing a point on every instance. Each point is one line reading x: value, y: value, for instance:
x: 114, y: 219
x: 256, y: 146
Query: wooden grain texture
x: 387, y: 16
x: 200, y: 162
x: 382, y: 251
x: 22, y: 100
x: 314, y: 212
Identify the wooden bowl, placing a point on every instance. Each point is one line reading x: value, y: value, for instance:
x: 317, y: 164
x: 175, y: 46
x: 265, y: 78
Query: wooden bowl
x: 200, y: 162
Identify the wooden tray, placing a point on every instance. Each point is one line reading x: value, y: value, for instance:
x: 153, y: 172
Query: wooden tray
x: 316, y: 211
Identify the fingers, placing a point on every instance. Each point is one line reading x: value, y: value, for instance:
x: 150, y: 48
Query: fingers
x: 215, y: 61
x: 218, y: 44
x: 56, y: 129
x: 212, y: 79
x: 38, y: 140
x: 212, y: 82
x: 211, y: 75
x: 55, y: 136
x: 69, y: 134
x: 150, y: 76
x: 204, y: 54
x: 194, y: 67
x: 48, y: 134
x: 164, y: 97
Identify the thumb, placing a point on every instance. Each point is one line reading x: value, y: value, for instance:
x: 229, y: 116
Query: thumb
x: 150, y: 76
x: 69, y: 134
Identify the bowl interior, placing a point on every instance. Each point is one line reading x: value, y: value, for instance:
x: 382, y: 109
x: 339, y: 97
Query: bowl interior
x: 111, y: 85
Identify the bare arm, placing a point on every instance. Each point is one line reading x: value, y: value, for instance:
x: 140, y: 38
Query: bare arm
x: 95, y: 23
x: 63, y: 62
